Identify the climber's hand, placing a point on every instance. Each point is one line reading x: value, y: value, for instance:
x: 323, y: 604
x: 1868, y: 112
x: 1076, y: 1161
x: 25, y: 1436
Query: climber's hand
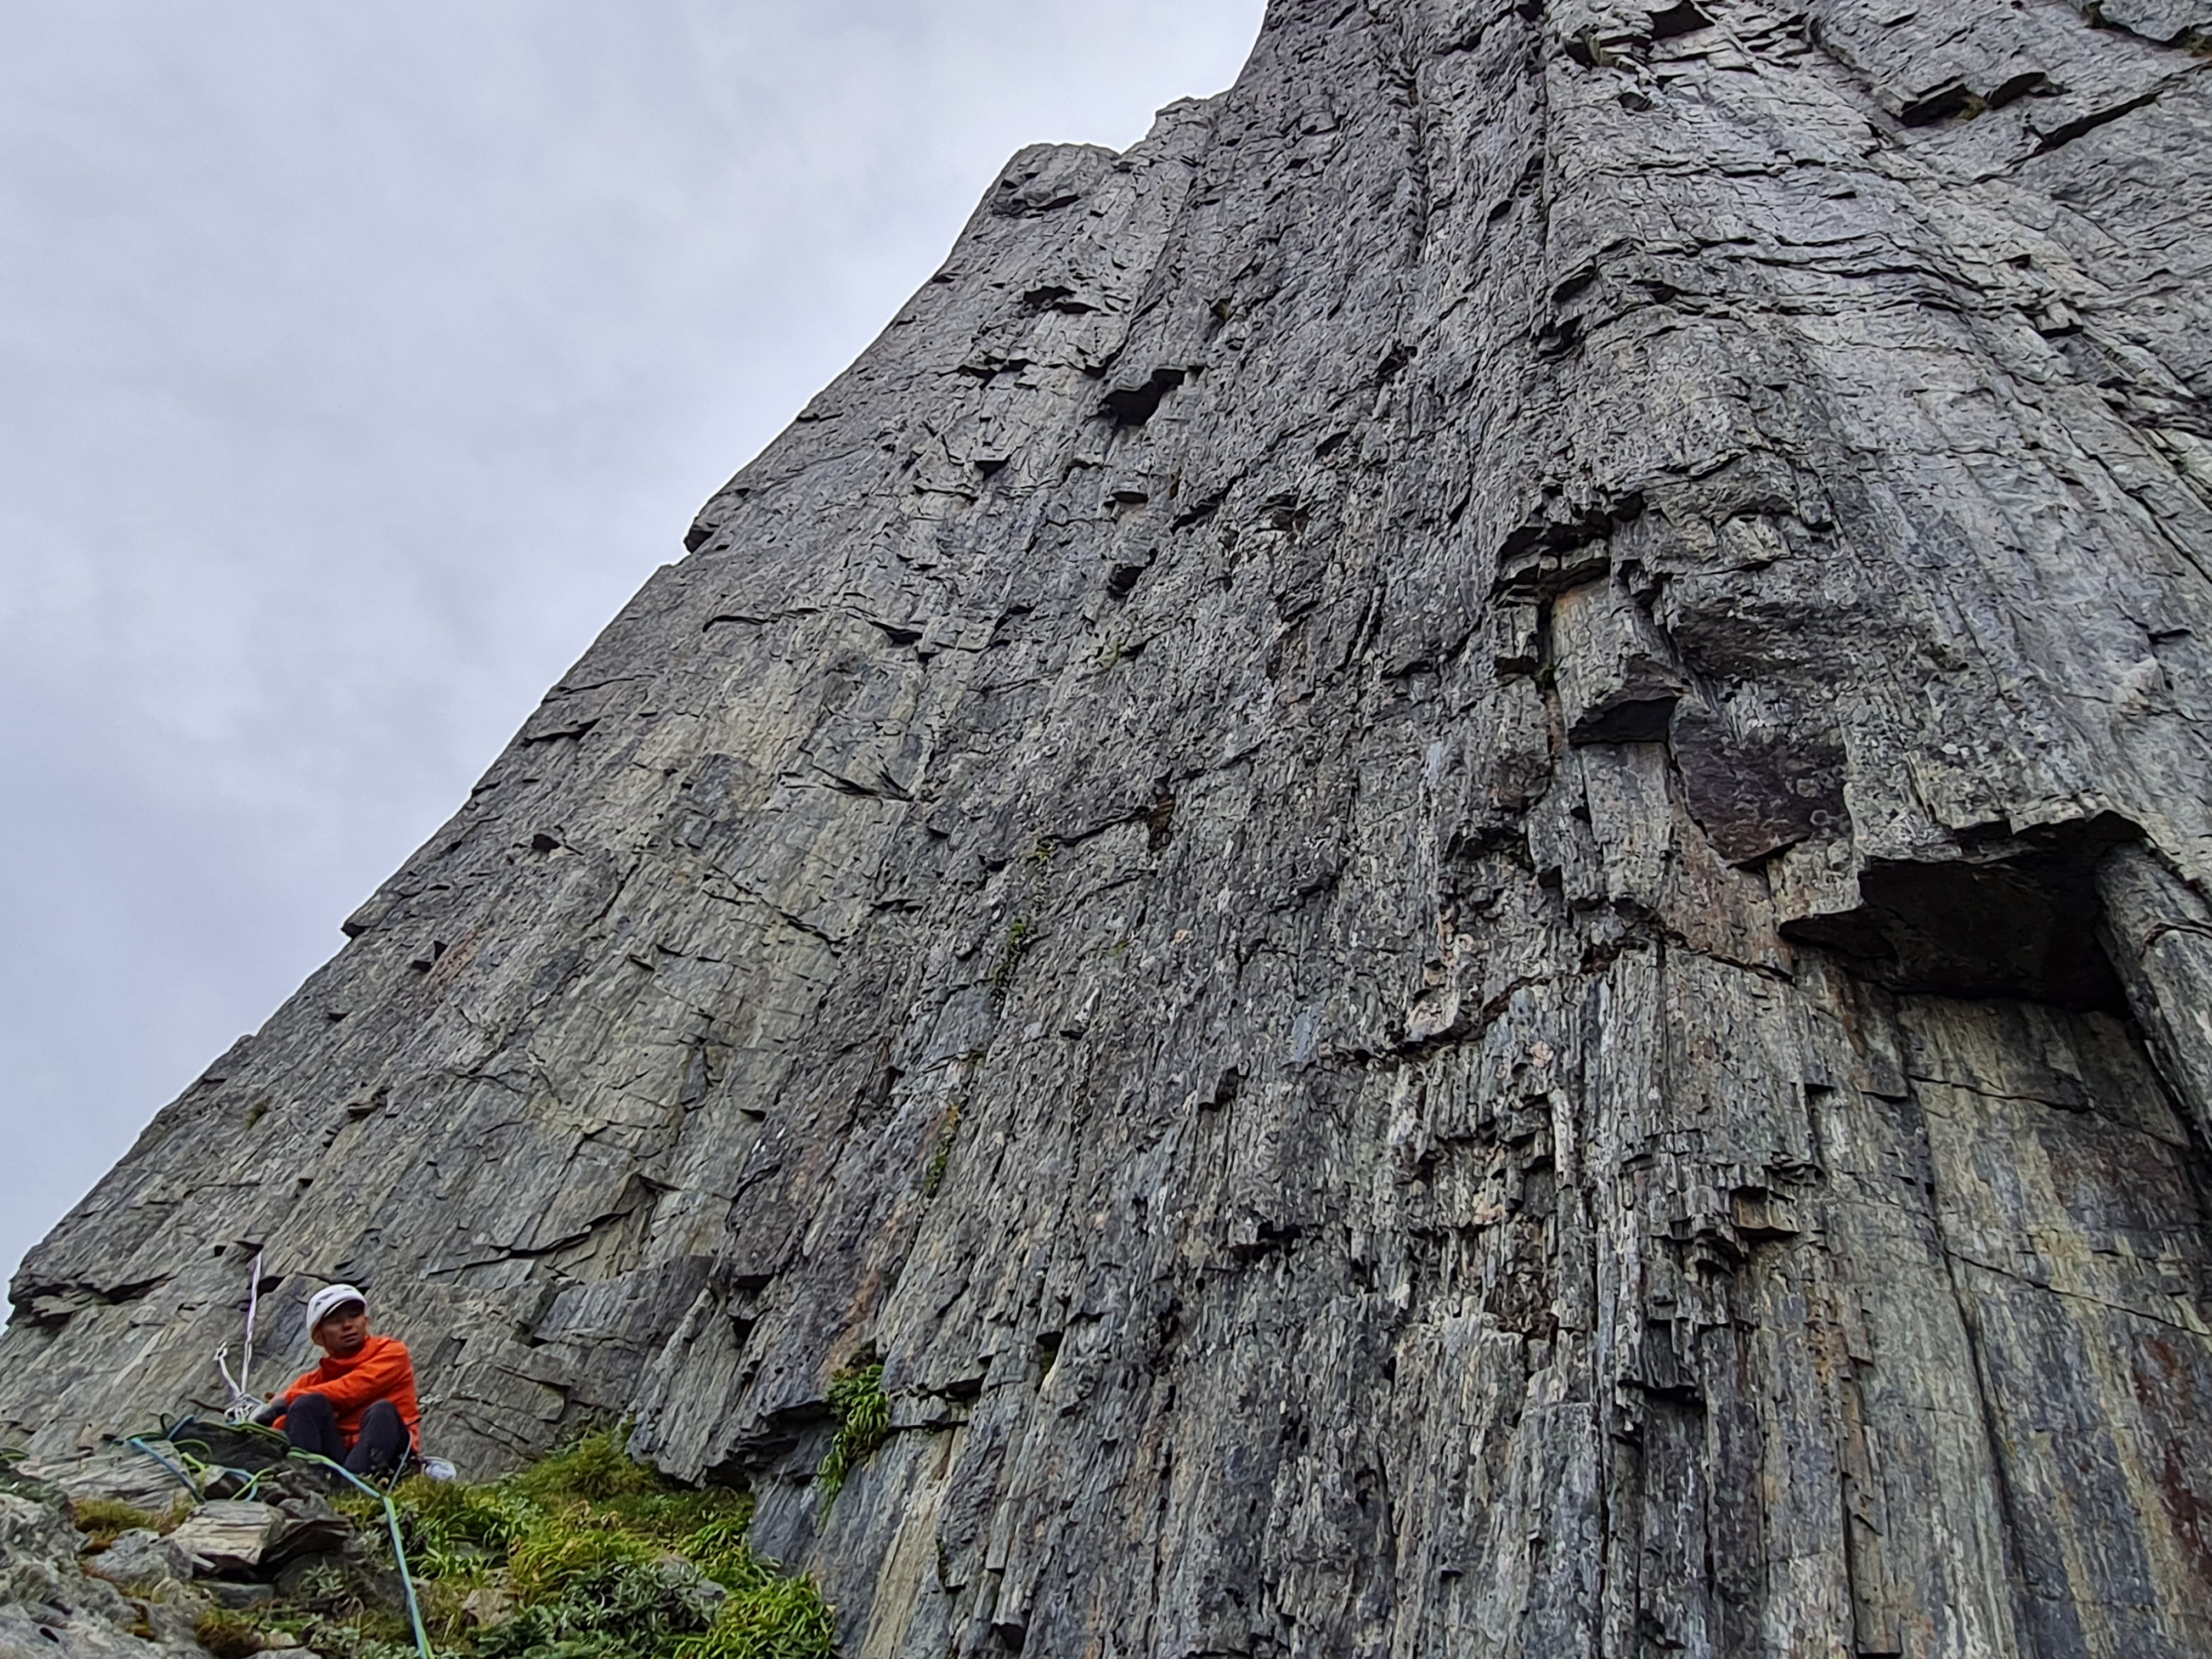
x: 270, y: 1413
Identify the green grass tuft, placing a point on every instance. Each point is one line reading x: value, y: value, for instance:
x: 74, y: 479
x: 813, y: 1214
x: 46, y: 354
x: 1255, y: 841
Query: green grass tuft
x: 1020, y: 937
x: 229, y: 1635
x: 932, y: 1175
x: 863, y: 1412
x: 785, y: 1620
x: 107, y: 1519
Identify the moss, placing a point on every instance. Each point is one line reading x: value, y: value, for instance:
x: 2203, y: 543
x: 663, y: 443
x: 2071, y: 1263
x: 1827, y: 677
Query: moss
x: 1022, y: 934
x: 591, y: 1468
x: 106, y: 1519
x: 1019, y: 939
x: 932, y: 1177
x: 229, y: 1635
x: 863, y: 1412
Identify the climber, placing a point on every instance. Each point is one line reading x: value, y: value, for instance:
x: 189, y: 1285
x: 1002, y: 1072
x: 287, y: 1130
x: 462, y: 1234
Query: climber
x: 357, y: 1407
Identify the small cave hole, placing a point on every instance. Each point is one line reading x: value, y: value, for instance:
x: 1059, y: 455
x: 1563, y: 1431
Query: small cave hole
x: 1683, y: 19
x: 1122, y: 579
x: 1134, y: 405
x: 2018, y: 923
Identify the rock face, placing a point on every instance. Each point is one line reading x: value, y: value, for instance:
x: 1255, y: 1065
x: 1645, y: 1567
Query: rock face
x: 51, y: 1607
x: 1444, y: 850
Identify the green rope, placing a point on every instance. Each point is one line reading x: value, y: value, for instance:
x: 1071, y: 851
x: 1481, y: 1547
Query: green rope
x: 186, y: 1466
x: 398, y: 1549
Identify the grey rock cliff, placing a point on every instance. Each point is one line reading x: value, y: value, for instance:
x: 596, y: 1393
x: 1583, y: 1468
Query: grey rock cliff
x: 1444, y: 850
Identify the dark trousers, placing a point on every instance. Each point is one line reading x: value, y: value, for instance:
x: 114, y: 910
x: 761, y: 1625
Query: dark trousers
x: 313, y: 1426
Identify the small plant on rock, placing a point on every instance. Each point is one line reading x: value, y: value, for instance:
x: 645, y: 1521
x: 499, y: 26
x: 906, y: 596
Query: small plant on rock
x: 1019, y: 939
x: 229, y: 1635
x: 863, y: 1412
x: 932, y: 1177
x: 103, y: 1520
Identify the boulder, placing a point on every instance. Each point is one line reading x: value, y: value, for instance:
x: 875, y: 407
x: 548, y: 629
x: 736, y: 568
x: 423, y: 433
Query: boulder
x: 168, y: 1615
x: 140, y: 1558
x: 229, y: 1536
x: 49, y: 1609
x: 39, y: 1564
x: 306, y: 1525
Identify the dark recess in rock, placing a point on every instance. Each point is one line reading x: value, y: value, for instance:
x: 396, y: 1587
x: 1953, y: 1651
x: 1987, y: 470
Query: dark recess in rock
x: 1134, y: 405
x: 2018, y: 923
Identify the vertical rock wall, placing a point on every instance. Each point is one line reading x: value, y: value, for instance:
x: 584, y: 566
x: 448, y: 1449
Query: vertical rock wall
x: 1444, y: 850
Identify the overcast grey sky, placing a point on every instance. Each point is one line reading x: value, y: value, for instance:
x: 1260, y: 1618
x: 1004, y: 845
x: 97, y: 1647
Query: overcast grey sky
x: 356, y: 362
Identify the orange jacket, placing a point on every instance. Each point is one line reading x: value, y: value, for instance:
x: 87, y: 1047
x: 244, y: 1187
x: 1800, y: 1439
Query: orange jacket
x: 381, y: 1370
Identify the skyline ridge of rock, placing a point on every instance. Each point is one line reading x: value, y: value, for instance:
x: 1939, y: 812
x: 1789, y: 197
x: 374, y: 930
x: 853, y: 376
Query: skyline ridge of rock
x: 1444, y: 849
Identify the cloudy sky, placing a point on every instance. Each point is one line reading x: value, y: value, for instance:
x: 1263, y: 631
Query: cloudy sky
x: 356, y: 362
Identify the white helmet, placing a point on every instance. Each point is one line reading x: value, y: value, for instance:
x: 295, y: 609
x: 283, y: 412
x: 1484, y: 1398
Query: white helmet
x: 328, y: 1300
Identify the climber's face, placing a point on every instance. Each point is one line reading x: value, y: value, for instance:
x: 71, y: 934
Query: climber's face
x: 342, y: 1331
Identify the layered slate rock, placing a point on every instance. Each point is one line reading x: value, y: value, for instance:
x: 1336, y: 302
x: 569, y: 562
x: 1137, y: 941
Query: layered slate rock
x: 1444, y: 850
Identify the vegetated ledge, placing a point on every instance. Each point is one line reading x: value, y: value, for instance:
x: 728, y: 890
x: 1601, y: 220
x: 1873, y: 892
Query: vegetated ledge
x: 584, y: 1554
